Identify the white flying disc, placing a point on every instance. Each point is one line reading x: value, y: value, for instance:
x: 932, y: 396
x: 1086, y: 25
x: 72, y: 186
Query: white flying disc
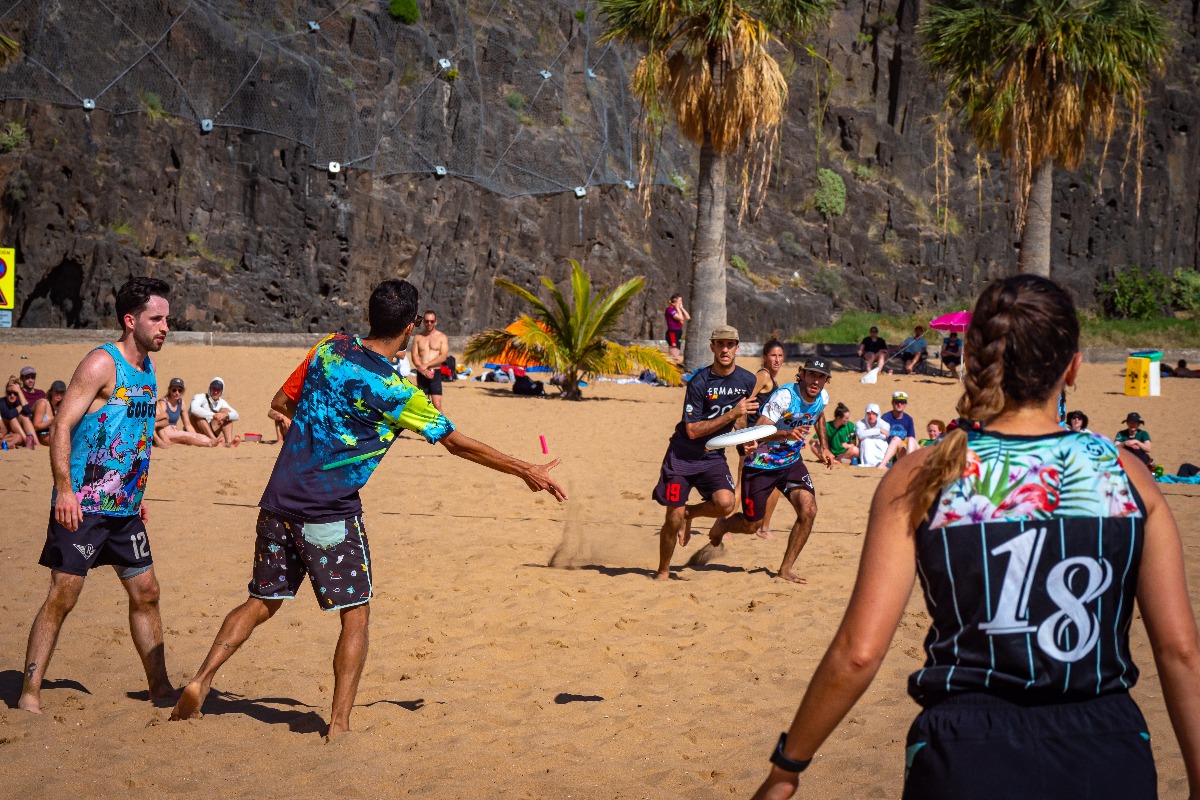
x: 742, y: 436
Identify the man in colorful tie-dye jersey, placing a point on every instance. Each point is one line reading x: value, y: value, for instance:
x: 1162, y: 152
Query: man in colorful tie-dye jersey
x: 346, y: 404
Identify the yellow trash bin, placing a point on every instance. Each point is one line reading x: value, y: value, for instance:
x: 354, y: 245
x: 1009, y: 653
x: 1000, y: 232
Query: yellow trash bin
x: 1137, y: 377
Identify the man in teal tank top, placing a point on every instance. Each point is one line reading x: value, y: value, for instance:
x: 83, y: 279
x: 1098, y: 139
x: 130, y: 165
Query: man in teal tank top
x: 100, y: 456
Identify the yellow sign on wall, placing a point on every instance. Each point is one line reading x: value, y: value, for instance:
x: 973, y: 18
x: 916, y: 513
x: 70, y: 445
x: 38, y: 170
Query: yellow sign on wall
x: 8, y: 278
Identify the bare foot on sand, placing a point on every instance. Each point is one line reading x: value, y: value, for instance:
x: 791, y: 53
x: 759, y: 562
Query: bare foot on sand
x: 666, y: 576
x: 190, y: 701
x: 766, y: 534
x: 31, y: 703
x: 164, y: 692
x: 685, y: 535
x: 335, y: 731
x: 788, y: 575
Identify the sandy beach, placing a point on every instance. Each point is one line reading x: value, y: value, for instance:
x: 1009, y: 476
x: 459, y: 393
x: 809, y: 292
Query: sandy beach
x: 491, y: 674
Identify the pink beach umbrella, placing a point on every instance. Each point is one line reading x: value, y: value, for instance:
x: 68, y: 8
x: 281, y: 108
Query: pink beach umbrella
x: 957, y: 321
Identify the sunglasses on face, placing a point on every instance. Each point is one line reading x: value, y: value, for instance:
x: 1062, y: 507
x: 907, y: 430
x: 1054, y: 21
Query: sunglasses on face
x: 176, y: 389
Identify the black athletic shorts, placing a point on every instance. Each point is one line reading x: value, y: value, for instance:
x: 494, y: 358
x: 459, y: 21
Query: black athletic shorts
x: 679, y: 476
x: 430, y: 386
x: 334, y: 555
x: 952, y: 359
x: 985, y: 748
x: 673, y: 338
x: 757, y: 485
x: 100, y: 540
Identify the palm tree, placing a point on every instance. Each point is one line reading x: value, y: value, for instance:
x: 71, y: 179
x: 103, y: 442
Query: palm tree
x: 1038, y: 79
x: 707, y: 61
x: 569, y: 337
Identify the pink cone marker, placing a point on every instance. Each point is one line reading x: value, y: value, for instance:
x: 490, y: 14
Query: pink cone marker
x: 545, y: 450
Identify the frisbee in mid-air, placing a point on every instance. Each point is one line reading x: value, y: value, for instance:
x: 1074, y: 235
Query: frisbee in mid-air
x: 751, y: 434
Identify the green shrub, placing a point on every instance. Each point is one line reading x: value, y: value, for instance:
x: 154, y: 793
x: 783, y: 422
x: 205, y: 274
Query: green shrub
x: 830, y: 282
x: 515, y: 100
x: 789, y: 245
x: 1185, y: 290
x: 12, y: 137
x: 152, y: 106
x: 405, y: 10
x: 739, y: 263
x: 830, y: 199
x: 863, y: 172
x: 452, y: 74
x: 580, y: 15
x: 1134, y: 293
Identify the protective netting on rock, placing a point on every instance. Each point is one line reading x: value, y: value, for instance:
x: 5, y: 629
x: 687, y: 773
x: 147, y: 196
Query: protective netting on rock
x: 519, y: 98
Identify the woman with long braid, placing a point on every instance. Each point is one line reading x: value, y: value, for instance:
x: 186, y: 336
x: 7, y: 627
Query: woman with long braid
x: 1031, y: 544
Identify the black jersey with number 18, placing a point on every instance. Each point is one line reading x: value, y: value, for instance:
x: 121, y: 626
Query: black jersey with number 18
x: 1029, y: 565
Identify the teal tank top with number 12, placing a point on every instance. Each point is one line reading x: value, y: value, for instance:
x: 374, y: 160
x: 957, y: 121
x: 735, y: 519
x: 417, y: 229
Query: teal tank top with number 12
x: 110, y: 447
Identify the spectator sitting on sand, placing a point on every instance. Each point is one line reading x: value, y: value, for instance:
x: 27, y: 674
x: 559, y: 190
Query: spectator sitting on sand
x: 45, y: 409
x: 840, y: 433
x: 902, y: 430
x: 171, y: 423
x: 1078, y: 422
x: 935, y: 429
x: 212, y: 415
x: 951, y: 354
x: 872, y: 434
x: 13, y: 423
x: 1134, y: 440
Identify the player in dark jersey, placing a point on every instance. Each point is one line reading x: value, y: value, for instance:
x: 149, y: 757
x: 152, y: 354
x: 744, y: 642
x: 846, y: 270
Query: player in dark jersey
x: 1031, y: 544
x: 347, y: 405
x: 718, y: 396
x: 100, y: 443
x: 796, y: 410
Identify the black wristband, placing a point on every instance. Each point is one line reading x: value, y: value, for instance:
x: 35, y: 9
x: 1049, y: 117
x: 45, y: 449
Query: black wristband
x: 783, y: 762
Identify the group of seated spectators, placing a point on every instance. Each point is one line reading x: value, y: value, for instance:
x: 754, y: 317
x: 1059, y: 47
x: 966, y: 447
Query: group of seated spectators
x: 879, y: 437
x: 206, y: 422
x: 875, y: 353
x: 27, y: 412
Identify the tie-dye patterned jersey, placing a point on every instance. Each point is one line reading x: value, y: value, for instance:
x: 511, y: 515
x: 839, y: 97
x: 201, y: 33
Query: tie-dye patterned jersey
x: 110, y: 447
x: 786, y: 410
x: 350, y: 404
x: 1029, y: 567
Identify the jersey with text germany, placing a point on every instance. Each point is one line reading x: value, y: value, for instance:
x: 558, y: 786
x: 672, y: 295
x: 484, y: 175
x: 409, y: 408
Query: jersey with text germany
x: 350, y: 404
x: 708, y: 397
x: 1029, y: 566
x: 786, y: 410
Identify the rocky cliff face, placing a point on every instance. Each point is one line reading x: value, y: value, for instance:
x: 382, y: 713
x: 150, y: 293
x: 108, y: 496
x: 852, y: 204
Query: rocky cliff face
x: 255, y: 239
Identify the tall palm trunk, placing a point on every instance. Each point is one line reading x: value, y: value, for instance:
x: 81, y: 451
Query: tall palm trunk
x: 1035, y: 241
x: 708, y: 258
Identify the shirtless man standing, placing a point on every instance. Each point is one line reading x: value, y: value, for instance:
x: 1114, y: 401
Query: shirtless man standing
x: 100, y: 444
x: 429, y: 349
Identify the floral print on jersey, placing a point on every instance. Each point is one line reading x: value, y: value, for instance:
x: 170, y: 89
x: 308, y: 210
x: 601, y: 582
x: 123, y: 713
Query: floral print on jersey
x: 1013, y: 479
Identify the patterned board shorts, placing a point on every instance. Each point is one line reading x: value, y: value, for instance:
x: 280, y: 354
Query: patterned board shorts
x: 334, y: 555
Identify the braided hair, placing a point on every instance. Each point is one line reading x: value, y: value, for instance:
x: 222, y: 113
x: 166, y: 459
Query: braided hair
x: 1024, y: 333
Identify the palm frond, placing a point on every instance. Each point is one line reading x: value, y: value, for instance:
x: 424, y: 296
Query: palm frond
x: 1039, y: 79
x: 571, y: 334
x: 10, y: 51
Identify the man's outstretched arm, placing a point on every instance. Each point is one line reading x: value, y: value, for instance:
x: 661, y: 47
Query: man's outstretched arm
x: 536, y: 476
